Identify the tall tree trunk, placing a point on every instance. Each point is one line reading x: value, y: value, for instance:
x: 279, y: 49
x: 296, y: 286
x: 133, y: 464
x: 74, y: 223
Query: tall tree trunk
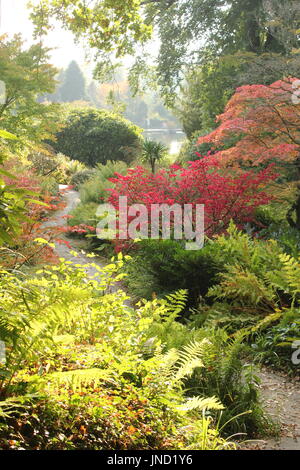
x: 253, y: 28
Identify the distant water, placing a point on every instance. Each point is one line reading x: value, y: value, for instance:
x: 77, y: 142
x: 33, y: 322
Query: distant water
x: 172, y: 138
x: 175, y: 146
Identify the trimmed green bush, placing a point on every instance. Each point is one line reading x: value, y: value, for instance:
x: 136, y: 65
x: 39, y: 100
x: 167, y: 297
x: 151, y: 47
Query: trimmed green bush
x: 81, y: 177
x: 94, y: 136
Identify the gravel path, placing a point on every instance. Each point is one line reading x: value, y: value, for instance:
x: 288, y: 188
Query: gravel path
x: 281, y: 397
x: 71, y: 199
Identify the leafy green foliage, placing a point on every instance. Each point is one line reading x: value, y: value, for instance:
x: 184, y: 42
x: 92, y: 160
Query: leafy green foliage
x: 61, y: 344
x: 208, y: 88
x: 93, y: 136
x: 81, y: 177
x: 287, y: 237
x: 252, y: 26
x: 26, y: 200
x: 47, y: 164
x: 12, y: 203
x: 273, y: 347
x: 93, y: 185
x: 95, y: 189
x: 190, y: 147
x: 109, y: 27
x: 161, y: 267
x: 245, y: 25
x: 207, y: 91
x: 84, y: 214
x: 287, y: 278
x: 7, y: 135
x: 226, y: 374
x: 50, y: 186
x: 259, y: 277
x: 26, y: 74
x: 233, y: 267
x: 12, y: 211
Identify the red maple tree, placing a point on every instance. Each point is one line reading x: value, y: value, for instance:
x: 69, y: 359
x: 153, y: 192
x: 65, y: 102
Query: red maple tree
x: 225, y: 196
x: 264, y: 124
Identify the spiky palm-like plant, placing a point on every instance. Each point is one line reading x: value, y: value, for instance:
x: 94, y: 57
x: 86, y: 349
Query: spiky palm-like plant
x: 153, y: 152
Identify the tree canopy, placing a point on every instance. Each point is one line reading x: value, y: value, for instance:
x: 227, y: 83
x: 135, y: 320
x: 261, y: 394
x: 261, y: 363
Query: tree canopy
x: 189, y: 31
x: 264, y: 123
x: 26, y: 74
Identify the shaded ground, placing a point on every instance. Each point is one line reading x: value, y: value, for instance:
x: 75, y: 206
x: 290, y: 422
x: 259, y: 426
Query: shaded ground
x: 281, y: 397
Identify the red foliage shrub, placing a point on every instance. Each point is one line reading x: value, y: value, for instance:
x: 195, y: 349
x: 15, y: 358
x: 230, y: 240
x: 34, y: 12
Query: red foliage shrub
x: 267, y: 121
x: 25, y: 250
x: 225, y: 195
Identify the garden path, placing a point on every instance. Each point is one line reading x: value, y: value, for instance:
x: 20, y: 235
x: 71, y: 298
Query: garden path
x: 71, y: 199
x: 281, y: 397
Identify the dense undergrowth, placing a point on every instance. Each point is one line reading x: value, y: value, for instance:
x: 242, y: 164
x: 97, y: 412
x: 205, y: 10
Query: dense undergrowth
x: 239, y: 279
x: 235, y: 282
x: 83, y: 370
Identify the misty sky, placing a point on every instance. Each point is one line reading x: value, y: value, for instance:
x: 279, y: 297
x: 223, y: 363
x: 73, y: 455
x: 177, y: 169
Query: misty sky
x: 14, y: 19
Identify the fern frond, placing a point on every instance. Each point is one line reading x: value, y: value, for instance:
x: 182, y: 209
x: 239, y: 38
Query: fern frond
x: 11, y: 404
x: 167, y: 365
x: 198, y: 403
x: 77, y: 379
x: 190, y: 357
x: 179, y: 364
x: 177, y: 301
x: 240, y: 284
x: 287, y: 278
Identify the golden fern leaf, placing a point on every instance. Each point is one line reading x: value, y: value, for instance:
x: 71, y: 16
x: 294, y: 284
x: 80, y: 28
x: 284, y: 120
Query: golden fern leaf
x: 201, y: 404
x: 76, y: 379
x: 189, y: 358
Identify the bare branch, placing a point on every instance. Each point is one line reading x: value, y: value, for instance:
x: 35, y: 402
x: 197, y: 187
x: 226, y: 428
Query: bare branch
x: 147, y: 2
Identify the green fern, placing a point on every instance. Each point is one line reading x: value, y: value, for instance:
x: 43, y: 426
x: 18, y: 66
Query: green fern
x: 202, y: 404
x: 287, y: 278
x: 189, y: 358
x: 245, y: 287
x: 176, y: 302
x: 178, y: 365
x: 76, y: 380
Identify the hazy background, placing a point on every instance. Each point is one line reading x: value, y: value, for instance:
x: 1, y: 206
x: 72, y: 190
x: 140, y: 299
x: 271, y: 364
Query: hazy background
x: 15, y: 19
